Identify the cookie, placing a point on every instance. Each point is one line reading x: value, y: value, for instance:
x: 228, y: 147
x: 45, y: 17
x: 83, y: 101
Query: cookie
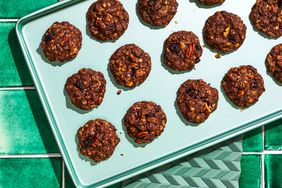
x: 182, y: 50
x: 86, y: 89
x: 61, y: 42
x: 224, y: 32
x: 157, y: 12
x: 196, y: 100
x: 266, y: 16
x: 144, y: 121
x: 130, y: 65
x: 243, y: 85
x: 97, y: 139
x: 274, y: 62
x: 107, y: 19
x: 211, y: 2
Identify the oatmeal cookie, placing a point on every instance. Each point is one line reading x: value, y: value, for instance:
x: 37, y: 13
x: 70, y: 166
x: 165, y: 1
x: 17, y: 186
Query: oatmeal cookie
x: 97, y: 139
x: 211, y: 2
x: 107, y: 19
x: 196, y: 100
x: 61, y: 42
x: 144, y: 121
x: 157, y: 12
x: 266, y: 16
x: 274, y: 62
x: 86, y: 88
x: 130, y: 65
x: 243, y: 85
x: 224, y: 31
x: 182, y: 50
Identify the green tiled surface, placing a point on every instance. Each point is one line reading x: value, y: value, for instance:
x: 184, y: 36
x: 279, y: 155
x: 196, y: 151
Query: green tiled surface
x: 19, y: 8
x: 13, y: 71
x: 39, y: 172
x: 273, y: 171
x: 23, y: 124
x: 250, y: 171
x: 273, y: 136
x: 253, y: 141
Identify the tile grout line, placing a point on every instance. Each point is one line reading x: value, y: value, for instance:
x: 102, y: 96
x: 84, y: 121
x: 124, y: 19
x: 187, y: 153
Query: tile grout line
x: 15, y: 156
x: 63, y: 174
x: 8, y: 20
x: 262, y: 158
x: 17, y: 88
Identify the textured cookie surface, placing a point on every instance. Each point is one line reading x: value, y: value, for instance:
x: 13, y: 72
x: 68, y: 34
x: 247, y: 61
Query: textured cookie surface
x: 224, y: 31
x: 97, y: 139
x: 274, y: 62
x: 61, y: 42
x: 107, y: 19
x: 211, y: 2
x: 144, y: 121
x: 266, y: 16
x: 243, y: 85
x: 182, y: 50
x: 86, y: 88
x: 157, y: 12
x: 130, y: 65
x: 196, y: 100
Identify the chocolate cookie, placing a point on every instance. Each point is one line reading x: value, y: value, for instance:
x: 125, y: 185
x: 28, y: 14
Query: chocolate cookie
x: 274, y: 62
x: 182, y: 50
x: 86, y: 88
x: 224, y: 32
x: 157, y: 12
x: 130, y: 65
x: 243, y: 85
x: 211, y: 2
x: 61, y: 42
x: 196, y: 100
x: 107, y: 19
x: 97, y: 139
x: 266, y: 16
x: 144, y: 121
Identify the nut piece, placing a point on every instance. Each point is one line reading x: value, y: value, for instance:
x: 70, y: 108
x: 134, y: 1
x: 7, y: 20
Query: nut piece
x: 130, y: 65
x: 86, y: 88
x: 266, y: 16
x: 243, y: 85
x: 157, y: 12
x: 196, y: 100
x: 182, y: 50
x: 97, y: 139
x: 211, y: 2
x: 144, y: 121
x: 61, y: 42
x: 107, y: 19
x: 274, y: 62
x: 224, y: 31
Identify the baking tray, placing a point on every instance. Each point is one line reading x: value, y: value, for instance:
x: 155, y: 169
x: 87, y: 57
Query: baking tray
x: 179, y: 138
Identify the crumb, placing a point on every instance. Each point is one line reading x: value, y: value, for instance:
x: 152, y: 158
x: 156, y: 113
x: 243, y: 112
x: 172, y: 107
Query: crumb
x: 176, y: 22
x: 121, y: 154
x: 120, y: 133
x: 204, y: 46
x: 241, y: 110
x: 217, y: 56
x: 118, y: 92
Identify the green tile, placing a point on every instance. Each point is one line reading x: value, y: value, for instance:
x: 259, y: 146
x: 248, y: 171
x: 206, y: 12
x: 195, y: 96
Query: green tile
x: 253, y: 141
x: 273, y: 136
x: 23, y: 124
x: 13, y: 71
x: 273, y: 171
x: 69, y: 183
x: 250, y: 171
x: 19, y: 8
x: 40, y: 172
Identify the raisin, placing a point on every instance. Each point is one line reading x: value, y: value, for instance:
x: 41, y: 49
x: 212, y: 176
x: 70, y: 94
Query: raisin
x: 279, y: 3
x: 87, y: 142
x: 79, y: 84
x: 48, y: 37
x: 191, y: 92
x: 175, y: 47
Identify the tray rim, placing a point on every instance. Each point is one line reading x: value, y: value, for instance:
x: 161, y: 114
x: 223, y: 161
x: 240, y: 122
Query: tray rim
x: 140, y: 169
